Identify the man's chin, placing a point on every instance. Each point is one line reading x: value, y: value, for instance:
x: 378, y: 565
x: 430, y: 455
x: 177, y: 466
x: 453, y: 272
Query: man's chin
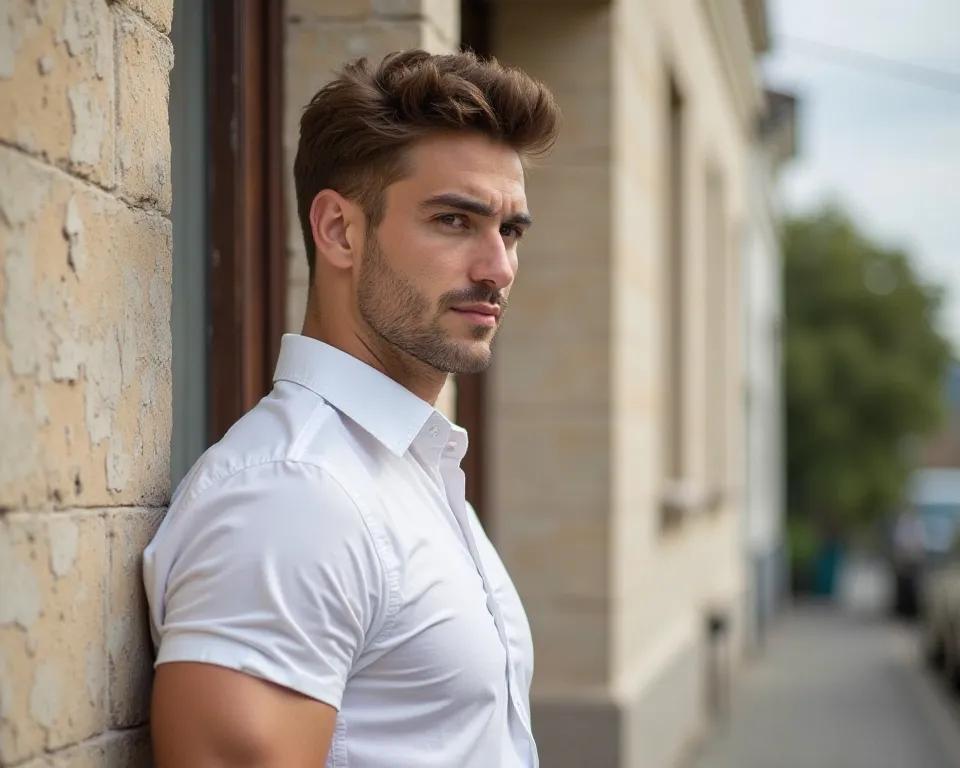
x: 465, y: 358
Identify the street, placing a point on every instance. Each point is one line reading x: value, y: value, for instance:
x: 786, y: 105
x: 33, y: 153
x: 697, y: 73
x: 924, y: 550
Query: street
x: 834, y: 690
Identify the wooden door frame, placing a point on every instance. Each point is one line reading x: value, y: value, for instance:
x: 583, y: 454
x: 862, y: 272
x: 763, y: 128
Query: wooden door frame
x: 247, y: 248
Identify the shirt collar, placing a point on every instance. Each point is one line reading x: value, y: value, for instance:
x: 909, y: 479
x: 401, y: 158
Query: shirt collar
x: 391, y: 413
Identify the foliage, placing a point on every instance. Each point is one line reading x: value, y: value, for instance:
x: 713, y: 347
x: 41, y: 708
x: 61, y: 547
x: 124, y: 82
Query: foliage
x: 864, y: 365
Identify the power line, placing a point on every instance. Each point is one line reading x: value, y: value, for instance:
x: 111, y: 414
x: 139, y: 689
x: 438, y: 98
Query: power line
x: 873, y: 63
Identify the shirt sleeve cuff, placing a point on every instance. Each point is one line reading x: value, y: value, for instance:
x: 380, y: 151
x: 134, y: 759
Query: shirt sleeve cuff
x: 230, y: 654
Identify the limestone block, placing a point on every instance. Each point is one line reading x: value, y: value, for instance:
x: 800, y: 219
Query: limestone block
x: 129, y: 647
x: 546, y: 457
x: 552, y: 372
x: 52, y: 659
x: 571, y: 207
x: 144, y: 61
x: 125, y: 749
x: 57, y: 84
x: 312, y: 11
x: 553, y: 302
x: 572, y: 641
x: 85, y: 343
x: 158, y: 12
x: 560, y: 553
x: 314, y: 52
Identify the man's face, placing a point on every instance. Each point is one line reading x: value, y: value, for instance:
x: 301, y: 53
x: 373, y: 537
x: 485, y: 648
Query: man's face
x: 437, y: 271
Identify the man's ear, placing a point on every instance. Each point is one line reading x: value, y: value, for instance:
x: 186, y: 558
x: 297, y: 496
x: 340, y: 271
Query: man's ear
x: 336, y: 236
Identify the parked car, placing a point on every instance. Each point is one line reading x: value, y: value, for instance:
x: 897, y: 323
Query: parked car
x: 940, y: 619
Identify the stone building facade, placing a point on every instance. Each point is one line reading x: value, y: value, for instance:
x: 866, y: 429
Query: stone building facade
x: 85, y: 371
x: 609, y: 437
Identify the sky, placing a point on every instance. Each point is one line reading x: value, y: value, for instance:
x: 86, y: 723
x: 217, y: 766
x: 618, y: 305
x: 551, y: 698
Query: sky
x: 887, y: 149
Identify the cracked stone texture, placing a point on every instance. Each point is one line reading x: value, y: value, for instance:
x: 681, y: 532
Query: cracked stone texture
x: 86, y: 335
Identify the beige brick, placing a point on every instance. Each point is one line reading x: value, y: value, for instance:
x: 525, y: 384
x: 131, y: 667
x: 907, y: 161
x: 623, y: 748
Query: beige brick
x: 571, y: 48
x: 553, y: 372
x: 545, y: 457
x: 559, y: 552
x: 315, y: 52
x: 549, y: 303
x: 586, y: 136
x: 144, y: 61
x: 51, y: 631
x: 312, y: 11
x: 86, y: 337
x: 433, y: 40
x: 129, y: 647
x: 125, y: 749
x: 158, y: 12
x: 571, y: 207
x: 572, y: 640
x: 57, y: 85
x: 444, y: 16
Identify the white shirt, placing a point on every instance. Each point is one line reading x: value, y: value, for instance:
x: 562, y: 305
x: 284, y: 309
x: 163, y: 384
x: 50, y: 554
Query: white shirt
x: 325, y: 544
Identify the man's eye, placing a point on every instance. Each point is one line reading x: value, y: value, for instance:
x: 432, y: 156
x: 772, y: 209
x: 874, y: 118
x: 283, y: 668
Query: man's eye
x: 511, y: 230
x: 455, y: 220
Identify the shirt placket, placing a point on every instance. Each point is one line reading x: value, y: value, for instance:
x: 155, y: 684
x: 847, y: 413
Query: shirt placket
x: 455, y: 495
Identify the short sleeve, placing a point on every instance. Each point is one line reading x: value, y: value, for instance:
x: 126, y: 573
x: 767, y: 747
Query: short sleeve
x: 275, y: 573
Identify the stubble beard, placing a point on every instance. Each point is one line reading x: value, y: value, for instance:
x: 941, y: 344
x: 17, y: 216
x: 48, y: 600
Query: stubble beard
x: 396, y: 312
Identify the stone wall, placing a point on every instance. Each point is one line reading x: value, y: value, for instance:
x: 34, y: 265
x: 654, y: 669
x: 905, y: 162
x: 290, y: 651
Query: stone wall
x: 617, y: 600
x: 85, y: 384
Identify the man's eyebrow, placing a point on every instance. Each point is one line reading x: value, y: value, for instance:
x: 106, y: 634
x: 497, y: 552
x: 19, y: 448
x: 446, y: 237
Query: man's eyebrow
x: 469, y: 205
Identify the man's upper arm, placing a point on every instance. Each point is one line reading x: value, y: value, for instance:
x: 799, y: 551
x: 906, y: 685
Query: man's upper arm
x: 204, y: 716
x: 274, y: 590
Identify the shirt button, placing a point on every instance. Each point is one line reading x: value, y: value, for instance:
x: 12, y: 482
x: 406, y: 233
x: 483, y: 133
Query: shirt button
x: 434, y: 431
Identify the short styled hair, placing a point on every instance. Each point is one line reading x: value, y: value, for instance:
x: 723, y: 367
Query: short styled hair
x: 356, y: 131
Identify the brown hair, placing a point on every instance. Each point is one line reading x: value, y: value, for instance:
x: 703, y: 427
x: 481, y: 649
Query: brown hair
x: 356, y: 130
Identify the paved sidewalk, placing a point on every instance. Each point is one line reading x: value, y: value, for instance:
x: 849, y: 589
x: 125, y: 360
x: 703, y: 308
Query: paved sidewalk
x: 836, y: 691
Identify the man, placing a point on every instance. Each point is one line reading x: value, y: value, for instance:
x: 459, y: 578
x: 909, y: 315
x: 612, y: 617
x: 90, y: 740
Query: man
x: 320, y: 591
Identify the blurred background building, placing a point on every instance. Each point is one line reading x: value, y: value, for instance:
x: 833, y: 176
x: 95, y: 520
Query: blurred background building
x: 626, y: 445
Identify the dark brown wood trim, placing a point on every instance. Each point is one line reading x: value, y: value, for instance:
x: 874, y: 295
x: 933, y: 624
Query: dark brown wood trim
x: 247, y: 251
x: 471, y: 415
x: 277, y: 230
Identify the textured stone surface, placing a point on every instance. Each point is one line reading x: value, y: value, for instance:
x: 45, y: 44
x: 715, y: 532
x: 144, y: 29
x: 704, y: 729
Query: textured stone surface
x: 144, y: 61
x: 57, y: 84
x: 129, y: 648
x: 52, y: 635
x: 123, y: 749
x: 572, y: 641
x: 86, y: 335
x: 157, y: 12
x: 85, y: 379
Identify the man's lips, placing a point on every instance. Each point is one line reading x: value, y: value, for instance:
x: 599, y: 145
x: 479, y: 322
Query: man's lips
x: 480, y: 314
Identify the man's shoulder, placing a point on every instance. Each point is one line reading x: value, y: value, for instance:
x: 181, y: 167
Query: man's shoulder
x: 288, y: 439
x: 282, y: 474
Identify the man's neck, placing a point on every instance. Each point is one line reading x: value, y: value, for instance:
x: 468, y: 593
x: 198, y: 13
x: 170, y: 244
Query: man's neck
x: 422, y: 380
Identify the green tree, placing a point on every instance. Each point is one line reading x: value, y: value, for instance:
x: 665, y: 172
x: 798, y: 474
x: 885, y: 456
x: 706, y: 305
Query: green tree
x: 865, y: 367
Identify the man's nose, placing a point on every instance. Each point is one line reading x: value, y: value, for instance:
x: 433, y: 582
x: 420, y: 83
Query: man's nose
x: 495, y: 262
